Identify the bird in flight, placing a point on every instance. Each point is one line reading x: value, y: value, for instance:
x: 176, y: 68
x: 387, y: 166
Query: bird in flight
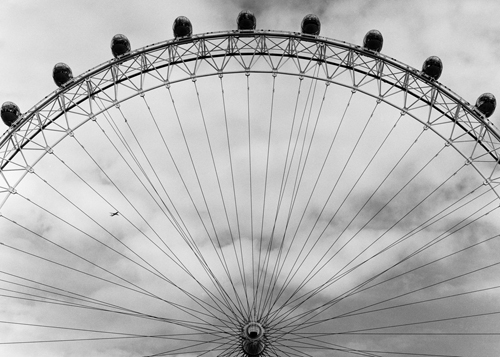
x: 113, y: 213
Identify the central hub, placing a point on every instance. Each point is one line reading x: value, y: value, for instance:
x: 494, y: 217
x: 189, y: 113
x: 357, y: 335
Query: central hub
x: 253, y: 339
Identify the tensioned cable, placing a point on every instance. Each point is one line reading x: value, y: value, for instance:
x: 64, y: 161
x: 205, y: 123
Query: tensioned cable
x: 181, y: 233
x: 407, y: 236
x: 119, y: 309
x: 428, y: 333
x: 122, y: 335
x: 197, y: 176
x: 286, y: 173
x: 240, y: 307
x: 363, y: 352
x: 285, y: 346
x: 241, y: 267
x: 91, y: 339
x: 185, y: 235
x: 76, y: 255
x: 324, y: 345
x: 76, y: 228
x: 159, y: 274
x: 145, y: 292
x: 173, y: 336
x: 350, y: 314
x: 230, y: 156
x: 276, y: 351
x: 196, y: 250
x: 297, y: 182
x: 187, y: 349
x: 340, y: 206
x: 170, y: 216
x: 185, y: 310
x: 188, y: 235
x: 281, y: 192
x: 134, y: 157
x: 420, y: 323
x: 213, y: 328
x: 191, y: 241
x: 334, y: 301
x: 304, y: 159
x: 356, y: 311
x: 382, y: 235
x: 202, y: 328
x: 80, y: 297
x: 358, y: 179
x: 136, y: 263
x: 412, y: 270
x: 290, y: 276
x: 283, y: 188
x: 229, y: 347
x: 250, y: 184
x: 264, y: 196
x: 379, y: 353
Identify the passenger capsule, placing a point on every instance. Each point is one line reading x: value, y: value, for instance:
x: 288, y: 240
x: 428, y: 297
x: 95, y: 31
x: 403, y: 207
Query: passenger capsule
x: 311, y: 25
x: 433, y: 67
x: 373, y: 41
x: 10, y: 113
x: 486, y: 104
x: 182, y: 27
x: 246, y: 20
x: 61, y: 74
x: 120, y: 45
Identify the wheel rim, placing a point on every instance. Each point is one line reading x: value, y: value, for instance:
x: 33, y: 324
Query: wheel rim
x: 247, y: 193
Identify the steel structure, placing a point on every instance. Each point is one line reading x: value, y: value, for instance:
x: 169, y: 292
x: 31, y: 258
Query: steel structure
x: 222, y: 53
x: 248, y: 313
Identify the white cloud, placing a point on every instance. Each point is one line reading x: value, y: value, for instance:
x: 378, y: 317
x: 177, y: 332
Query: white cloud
x: 35, y: 37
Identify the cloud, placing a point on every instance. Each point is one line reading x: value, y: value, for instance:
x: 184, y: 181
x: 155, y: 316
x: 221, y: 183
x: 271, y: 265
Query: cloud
x: 213, y: 239
x: 260, y: 8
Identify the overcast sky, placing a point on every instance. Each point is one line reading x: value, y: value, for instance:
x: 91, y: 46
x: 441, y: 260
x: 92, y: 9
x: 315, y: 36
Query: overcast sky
x: 35, y: 35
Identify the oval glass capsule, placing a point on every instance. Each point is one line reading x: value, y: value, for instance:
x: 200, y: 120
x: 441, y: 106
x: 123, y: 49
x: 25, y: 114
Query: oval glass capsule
x: 373, y: 41
x: 120, y: 45
x: 311, y: 25
x: 182, y: 27
x: 10, y: 113
x: 246, y: 21
x: 61, y: 74
x: 486, y: 104
x: 433, y: 67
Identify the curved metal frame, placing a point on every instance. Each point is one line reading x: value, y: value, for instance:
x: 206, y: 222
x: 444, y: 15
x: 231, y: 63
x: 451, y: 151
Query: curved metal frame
x: 448, y: 115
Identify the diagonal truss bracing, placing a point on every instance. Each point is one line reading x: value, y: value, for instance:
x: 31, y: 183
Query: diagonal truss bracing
x: 166, y: 63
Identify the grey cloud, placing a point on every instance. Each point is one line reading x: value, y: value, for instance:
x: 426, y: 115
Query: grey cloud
x: 261, y: 7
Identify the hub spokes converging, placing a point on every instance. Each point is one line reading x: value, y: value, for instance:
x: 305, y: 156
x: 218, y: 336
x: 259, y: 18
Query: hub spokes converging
x: 253, y: 339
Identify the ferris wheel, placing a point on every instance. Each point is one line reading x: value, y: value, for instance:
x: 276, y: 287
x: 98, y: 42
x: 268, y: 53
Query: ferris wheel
x: 250, y: 193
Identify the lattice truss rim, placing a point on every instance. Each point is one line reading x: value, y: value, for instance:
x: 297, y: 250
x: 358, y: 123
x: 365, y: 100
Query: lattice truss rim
x: 172, y: 61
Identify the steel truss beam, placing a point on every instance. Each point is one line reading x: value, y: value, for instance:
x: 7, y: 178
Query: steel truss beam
x: 438, y: 108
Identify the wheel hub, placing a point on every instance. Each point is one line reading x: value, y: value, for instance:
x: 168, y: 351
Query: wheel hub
x: 253, y: 339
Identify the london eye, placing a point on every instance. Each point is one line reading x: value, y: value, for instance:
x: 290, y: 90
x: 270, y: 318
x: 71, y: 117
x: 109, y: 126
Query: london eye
x: 250, y: 192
